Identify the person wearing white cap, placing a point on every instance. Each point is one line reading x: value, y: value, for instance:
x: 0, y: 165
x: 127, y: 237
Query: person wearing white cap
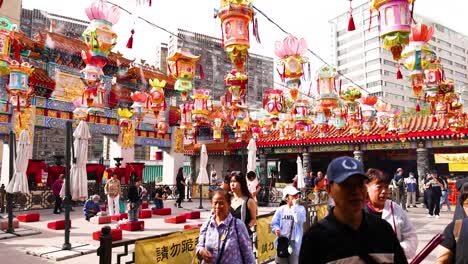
x: 287, y: 225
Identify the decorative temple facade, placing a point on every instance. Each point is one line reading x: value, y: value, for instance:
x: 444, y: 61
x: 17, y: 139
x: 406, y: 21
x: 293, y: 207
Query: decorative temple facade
x: 56, y: 83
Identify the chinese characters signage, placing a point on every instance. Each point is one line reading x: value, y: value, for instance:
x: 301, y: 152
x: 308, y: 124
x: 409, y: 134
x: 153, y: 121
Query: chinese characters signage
x: 396, y: 145
x: 265, y: 239
x: 175, y: 248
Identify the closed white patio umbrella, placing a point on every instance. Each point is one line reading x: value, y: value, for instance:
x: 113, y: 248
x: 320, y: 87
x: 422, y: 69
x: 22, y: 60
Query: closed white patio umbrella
x: 203, y: 173
x: 300, y: 174
x: 252, y: 156
x: 78, y: 176
x: 19, y: 182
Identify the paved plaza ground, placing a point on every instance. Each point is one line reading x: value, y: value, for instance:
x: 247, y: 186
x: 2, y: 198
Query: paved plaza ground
x: 14, y: 250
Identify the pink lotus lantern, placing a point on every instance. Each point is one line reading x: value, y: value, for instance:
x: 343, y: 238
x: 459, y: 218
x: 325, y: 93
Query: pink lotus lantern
x: 326, y: 87
x: 256, y: 131
x: 291, y: 63
x: 395, y: 24
x: 273, y: 101
x: 200, y: 109
x: 140, y: 102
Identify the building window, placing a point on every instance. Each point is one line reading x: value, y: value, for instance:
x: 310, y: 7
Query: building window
x: 373, y: 73
x: 444, y: 42
x: 373, y: 84
x: 371, y: 41
x: 457, y: 48
x: 373, y: 52
x: 459, y: 57
x: 372, y: 62
x: 445, y: 61
x: 391, y: 63
x: 389, y: 73
x: 460, y: 65
x: 459, y: 74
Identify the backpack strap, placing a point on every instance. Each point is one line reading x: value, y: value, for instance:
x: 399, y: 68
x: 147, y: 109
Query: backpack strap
x: 457, y: 229
x: 237, y: 233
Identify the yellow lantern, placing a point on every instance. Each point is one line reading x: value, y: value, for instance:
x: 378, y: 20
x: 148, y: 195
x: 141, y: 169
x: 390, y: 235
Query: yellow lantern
x: 158, y: 100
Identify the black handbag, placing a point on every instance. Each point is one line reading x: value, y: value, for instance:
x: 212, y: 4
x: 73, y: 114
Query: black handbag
x: 284, y: 244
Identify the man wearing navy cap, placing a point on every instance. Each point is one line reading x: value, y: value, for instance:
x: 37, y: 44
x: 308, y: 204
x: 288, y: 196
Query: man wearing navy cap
x: 349, y: 234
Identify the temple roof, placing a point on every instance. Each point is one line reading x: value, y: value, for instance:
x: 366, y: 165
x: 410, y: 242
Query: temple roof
x: 140, y: 72
x: 174, y: 115
x: 419, y: 127
x: 73, y: 46
x: 39, y: 77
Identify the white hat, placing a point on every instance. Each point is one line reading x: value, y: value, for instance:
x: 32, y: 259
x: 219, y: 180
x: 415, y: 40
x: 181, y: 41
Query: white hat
x: 289, y: 190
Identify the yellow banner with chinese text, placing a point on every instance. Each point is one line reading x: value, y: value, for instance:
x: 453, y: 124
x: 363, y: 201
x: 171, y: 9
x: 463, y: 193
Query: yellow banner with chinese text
x: 265, y: 239
x: 453, y: 167
x: 175, y: 248
x: 458, y: 158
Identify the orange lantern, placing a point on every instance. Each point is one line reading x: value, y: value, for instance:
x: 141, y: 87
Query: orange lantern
x: 200, y: 109
x: 182, y: 66
x: 326, y: 87
x: 273, y: 101
x: 156, y: 96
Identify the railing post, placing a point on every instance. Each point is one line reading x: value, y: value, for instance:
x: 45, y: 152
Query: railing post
x: 105, y: 248
x: 2, y: 198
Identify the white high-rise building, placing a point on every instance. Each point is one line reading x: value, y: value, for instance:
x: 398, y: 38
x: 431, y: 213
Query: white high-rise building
x: 359, y: 56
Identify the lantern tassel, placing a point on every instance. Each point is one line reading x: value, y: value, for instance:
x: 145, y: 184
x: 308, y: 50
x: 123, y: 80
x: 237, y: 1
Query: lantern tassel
x: 309, y: 72
x: 18, y: 107
x: 255, y: 29
x: 418, y: 107
x: 130, y: 40
x: 370, y: 19
x: 399, y: 76
x: 280, y: 75
x: 351, y: 26
x: 202, y: 74
x: 1, y: 3
x: 150, y: 2
x: 17, y: 49
x: 7, y: 105
x: 310, y: 88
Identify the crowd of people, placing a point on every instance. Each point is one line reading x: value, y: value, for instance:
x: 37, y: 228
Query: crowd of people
x: 366, y: 223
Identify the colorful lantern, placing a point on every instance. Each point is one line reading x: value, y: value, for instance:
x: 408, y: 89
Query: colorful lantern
x: 291, y: 63
x: 200, y: 109
x: 237, y: 82
x: 395, y: 24
x: 266, y: 124
x: 368, y: 112
x: 417, y: 56
x: 81, y: 109
x: 99, y: 36
x: 158, y: 100
x: 256, y: 131
x: 338, y: 119
x: 235, y: 17
x: 162, y: 128
x: 140, y: 102
x: 6, y: 36
x: 18, y: 87
x: 326, y: 87
x: 126, y: 128
x: 182, y: 66
x: 218, y: 129
x: 186, y: 115
x: 273, y: 101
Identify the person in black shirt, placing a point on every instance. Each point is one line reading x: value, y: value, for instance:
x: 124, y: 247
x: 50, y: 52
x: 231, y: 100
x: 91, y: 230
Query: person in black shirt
x: 455, y: 244
x: 180, y: 184
x: 158, y: 197
x: 135, y: 194
x: 434, y: 186
x: 349, y: 234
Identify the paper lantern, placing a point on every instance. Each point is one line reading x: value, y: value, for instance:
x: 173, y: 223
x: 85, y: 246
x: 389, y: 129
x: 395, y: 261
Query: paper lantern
x: 266, y: 124
x: 273, y: 101
x: 256, y: 131
x: 218, y: 128
x: 6, y: 37
x: 200, y: 109
x: 127, y: 129
x: 182, y: 66
x: 237, y: 82
x: 186, y: 115
x: 140, y: 102
x: 338, y: 119
x: 99, y: 35
x: 18, y: 86
x: 395, y: 24
x: 326, y: 87
x: 157, y: 98
x: 235, y: 18
x: 162, y: 128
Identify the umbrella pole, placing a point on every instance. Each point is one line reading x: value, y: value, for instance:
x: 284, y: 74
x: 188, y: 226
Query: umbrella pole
x: 67, y: 201
x: 200, y: 192
x: 9, y: 196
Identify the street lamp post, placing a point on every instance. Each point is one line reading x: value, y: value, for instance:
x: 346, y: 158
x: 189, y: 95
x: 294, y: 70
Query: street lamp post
x: 67, y: 201
x: 9, y: 196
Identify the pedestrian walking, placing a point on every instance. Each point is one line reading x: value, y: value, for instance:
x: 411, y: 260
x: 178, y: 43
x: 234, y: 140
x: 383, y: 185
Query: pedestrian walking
x: 287, y: 225
x: 56, y: 187
x: 135, y: 195
x: 243, y: 206
x: 158, y: 197
x: 379, y: 205
x: 91, y: 207
x: 434, y: 186
x: 180, y: 184
x: 445, y: 193
x: 411, y: 187
x: 113, y: 189
x: 224, y: 238
x: 348, y: 234
x: 455, y: 244
x: 398, y: 183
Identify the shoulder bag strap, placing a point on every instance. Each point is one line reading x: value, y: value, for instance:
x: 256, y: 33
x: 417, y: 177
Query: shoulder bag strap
x: 457, y: 229
x: 292, y: 228
x: 226, y: 233
x: 393, y: 217
x: 244, y: 209
x: 237, y: 233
